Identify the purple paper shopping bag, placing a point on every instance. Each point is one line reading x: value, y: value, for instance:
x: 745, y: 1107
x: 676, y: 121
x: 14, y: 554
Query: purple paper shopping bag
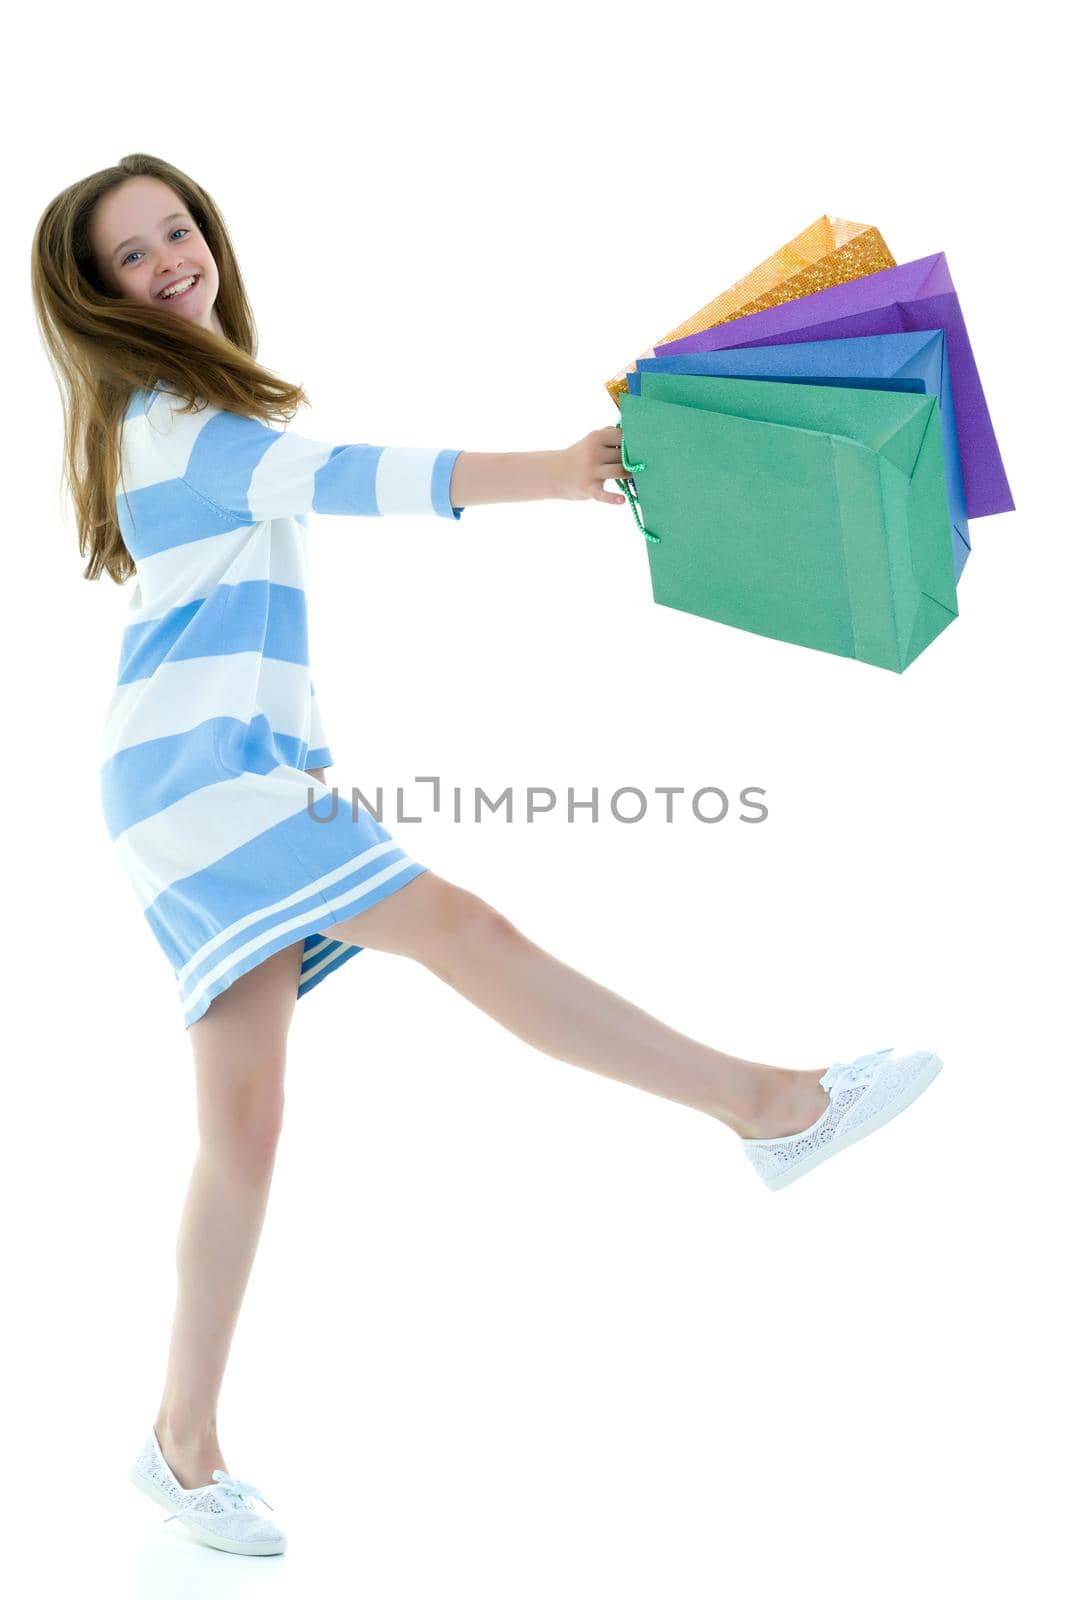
x: 914, y: 297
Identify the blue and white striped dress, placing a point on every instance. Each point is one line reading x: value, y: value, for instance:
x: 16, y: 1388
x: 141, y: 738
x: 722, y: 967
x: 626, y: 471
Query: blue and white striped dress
x: 214, y: 717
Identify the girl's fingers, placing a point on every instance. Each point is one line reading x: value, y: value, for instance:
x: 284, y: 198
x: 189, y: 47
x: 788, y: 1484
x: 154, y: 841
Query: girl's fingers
x: 608, y: 466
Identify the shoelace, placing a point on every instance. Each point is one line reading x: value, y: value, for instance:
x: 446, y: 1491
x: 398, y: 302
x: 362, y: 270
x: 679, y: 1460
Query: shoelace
x: 844, y: 1074
x: 231, y: 1491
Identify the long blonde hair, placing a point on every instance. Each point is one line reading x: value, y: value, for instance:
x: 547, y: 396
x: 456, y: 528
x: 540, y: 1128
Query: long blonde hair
x: 102, y: 347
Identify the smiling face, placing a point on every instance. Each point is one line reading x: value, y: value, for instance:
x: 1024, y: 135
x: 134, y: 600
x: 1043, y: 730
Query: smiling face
x: 144, y: 239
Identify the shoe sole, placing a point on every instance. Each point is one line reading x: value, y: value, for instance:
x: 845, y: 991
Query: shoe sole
x: 922, y: 1081
x: 264, y: 1547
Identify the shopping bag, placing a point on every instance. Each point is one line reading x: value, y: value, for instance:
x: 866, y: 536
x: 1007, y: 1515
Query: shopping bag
x: 906, y: 299
x: 915, y: 362
x: 832, y: 250
x: 816, y: 515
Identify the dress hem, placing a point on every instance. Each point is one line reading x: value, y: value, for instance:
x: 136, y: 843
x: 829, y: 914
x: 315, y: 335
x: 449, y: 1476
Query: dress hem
x: 317, y: 964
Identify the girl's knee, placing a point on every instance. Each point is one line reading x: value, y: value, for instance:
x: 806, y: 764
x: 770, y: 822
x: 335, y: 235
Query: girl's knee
x: 240, y: 1095
x: 243, y: 1131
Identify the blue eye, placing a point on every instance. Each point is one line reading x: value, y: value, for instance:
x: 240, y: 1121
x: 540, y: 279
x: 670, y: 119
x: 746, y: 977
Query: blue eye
x: 123, y: 262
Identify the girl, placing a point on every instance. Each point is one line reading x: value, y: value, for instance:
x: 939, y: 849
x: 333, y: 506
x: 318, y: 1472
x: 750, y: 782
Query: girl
x: 214, y: 746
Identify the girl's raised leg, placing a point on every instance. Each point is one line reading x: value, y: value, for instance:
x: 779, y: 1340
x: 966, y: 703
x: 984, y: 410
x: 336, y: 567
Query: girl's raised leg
x: 481, y: 954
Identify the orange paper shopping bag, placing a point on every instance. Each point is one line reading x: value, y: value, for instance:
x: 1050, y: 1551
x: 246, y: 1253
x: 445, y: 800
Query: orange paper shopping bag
x: 830, y: 252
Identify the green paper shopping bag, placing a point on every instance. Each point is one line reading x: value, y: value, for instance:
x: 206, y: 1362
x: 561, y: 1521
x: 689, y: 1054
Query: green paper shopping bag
x: 811, y: 514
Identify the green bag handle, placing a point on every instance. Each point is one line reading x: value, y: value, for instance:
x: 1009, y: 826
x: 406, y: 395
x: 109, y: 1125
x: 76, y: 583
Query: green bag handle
x: 634, y: 466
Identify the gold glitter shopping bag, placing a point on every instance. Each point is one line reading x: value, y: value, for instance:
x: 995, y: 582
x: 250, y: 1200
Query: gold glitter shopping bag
x: 830, y: 252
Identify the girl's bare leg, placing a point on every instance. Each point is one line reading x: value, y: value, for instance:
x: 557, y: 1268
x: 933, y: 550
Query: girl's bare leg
x: 481, y: 954
x: 239, y: 1050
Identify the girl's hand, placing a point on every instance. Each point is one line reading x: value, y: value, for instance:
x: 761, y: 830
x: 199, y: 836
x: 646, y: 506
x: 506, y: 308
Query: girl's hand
x: 585, y: 466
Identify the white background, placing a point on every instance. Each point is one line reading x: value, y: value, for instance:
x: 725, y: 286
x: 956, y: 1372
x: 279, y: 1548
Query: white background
x: 516, y: 1329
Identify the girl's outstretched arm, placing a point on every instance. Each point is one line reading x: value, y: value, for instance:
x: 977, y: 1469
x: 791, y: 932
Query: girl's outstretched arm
x: 576, y: 473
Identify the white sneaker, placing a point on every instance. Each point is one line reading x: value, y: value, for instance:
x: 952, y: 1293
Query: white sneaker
x: 218, y: 1513
x: 864, y: 1094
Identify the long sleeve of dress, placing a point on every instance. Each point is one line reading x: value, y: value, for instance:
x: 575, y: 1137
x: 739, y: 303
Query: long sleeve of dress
x: 255, y: 472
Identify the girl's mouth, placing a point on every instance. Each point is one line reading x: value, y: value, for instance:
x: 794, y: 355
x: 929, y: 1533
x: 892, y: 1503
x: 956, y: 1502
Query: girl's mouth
x: 181, y: 293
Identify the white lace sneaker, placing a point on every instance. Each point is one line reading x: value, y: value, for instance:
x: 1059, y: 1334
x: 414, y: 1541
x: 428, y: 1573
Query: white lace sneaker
x: 218, y: 1513
x: 864, y: 1094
